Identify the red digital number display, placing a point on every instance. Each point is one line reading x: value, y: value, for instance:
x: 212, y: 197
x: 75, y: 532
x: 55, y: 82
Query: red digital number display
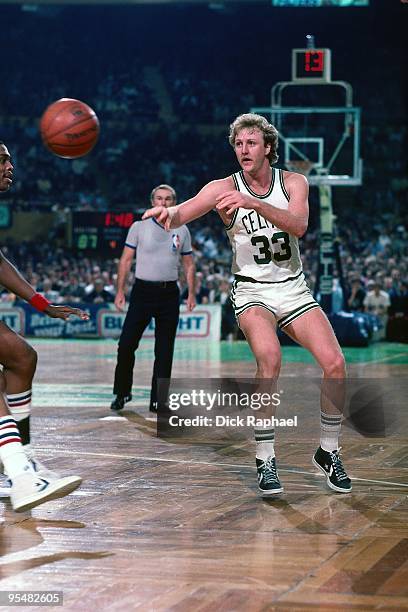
x: 105, y: 231
x: 123, y: 219
x: 311, y: 65
x: 314, y: 61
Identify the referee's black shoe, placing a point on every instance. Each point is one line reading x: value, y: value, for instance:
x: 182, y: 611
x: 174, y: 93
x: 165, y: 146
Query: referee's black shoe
x: 119, y: 402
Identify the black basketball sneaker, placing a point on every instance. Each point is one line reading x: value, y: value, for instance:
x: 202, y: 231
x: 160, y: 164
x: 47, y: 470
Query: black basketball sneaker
x: 332, y: 467
x: 268, y: 479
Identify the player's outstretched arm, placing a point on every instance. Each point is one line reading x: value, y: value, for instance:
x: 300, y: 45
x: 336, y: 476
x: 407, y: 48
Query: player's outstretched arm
x: 12, y: 280
x: 191, y: 209
x: 64, y: 312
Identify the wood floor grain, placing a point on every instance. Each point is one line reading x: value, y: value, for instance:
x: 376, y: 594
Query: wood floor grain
x: 164, y: 525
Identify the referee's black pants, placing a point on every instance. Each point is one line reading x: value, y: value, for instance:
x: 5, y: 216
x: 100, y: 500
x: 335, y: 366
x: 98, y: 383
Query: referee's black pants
x: 148, y: 300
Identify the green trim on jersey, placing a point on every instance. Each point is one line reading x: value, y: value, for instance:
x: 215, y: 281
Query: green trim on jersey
x: 256, y: 195
x: 285, y: 193
x: 228, y: 227
x: 231, y: 223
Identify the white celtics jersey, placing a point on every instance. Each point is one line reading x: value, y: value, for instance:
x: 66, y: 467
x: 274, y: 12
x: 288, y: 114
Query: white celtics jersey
x: 262, y: 251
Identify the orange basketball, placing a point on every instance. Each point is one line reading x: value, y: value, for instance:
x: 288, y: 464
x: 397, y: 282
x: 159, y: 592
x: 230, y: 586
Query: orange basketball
x: 69, y: 128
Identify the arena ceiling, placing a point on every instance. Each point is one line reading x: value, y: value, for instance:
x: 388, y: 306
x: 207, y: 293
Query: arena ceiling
x: 215, y: 4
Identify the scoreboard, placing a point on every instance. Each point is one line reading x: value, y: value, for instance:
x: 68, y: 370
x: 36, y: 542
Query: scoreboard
x: 100, y: 231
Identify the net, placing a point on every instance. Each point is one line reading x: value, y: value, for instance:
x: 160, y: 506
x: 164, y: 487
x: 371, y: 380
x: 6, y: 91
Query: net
x: 302, y: 166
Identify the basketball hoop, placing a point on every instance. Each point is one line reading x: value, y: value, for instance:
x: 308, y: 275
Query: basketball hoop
x: 301, y: 166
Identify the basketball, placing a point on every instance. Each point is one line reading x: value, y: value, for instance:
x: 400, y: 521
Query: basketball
x: 69, y: 128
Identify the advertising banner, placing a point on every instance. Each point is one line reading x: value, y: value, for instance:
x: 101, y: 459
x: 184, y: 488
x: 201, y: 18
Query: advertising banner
x: 106, y: 322
x: 24, y: 320
x: 204, y: 322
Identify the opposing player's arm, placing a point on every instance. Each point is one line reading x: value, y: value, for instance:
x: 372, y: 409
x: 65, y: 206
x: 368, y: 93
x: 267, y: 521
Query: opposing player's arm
x: 12, y: 280
x: 293, y: 220
x: 193, y: 208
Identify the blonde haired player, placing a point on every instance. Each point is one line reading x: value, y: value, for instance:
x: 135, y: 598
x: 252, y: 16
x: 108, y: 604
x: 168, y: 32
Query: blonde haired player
x: 265, y: 210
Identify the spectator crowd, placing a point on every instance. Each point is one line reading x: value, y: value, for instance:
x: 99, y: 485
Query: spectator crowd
x: 164, y: 100
x: 373, y: 279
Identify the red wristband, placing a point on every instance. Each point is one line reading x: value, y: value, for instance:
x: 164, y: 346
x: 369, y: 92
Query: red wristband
x: 39, y: 302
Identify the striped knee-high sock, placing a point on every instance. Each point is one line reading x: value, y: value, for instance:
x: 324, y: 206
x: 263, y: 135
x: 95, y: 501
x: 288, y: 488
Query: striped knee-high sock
x: 12, y: 454
x: 330, y: 426
x: 20, y: 408
x: 265, y: 441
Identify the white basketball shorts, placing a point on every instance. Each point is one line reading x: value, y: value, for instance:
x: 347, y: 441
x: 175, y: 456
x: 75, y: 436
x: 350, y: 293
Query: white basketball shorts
x: 286, y: 300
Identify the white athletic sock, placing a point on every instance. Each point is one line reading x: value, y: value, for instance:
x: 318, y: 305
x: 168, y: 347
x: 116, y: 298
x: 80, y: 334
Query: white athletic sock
x: 265, y: 442
x: 12, y: 453
x: 20, y: 408
x: 330, y: 426
x: 20, y: 404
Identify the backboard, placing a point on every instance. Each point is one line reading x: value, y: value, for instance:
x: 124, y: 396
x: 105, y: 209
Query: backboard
x: 319, y: 128
x: 327, y: 139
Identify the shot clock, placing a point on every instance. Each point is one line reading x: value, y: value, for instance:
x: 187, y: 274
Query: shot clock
x: 100, y: 231
x: 311, y: 66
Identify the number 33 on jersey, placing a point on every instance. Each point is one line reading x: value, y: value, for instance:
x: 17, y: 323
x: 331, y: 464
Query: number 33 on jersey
x: 262, y: 251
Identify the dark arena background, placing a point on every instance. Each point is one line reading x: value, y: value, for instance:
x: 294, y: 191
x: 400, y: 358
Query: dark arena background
x: 178, y: 524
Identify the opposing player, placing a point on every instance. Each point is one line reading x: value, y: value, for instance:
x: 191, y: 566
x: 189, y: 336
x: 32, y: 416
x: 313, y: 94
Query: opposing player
x: 265, y: 211
x: 31, y: 482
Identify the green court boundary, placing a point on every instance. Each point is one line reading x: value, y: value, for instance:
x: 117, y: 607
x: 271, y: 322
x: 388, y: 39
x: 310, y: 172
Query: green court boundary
x: 393, y: 353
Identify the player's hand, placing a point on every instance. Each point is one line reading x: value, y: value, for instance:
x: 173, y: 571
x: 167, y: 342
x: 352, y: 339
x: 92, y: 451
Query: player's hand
x: 64, y: 312
x: 231, y: 200
x: 120, y: 300
x: 160, y: 213
x: 191, y: 303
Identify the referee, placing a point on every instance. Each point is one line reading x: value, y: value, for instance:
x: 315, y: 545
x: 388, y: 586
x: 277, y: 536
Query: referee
x: 155, y: 294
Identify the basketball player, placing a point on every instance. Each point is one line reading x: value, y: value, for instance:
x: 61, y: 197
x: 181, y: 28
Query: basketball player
x: 31, y: 482
x: 155, y: 294
x: 265, y: 211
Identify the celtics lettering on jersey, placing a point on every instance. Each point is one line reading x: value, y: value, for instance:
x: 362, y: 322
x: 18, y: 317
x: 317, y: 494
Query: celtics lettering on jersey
x: 261, y: 250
